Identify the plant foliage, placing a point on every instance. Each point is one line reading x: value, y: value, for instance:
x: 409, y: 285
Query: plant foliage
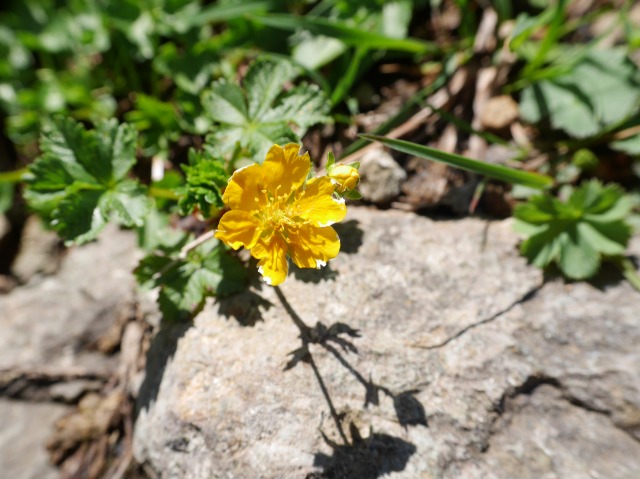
x: 186, y: 280
x: 80, y: 181
x: 601, y: 90
x: 261, y: 113
x: 577, y: 234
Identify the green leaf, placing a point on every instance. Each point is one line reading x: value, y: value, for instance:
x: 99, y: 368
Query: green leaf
x: 578, y: 259
x: 226, y: 104
x: 79, y: 182
x: 117, y: 148
x: 217, y: 13
x: 127, y: 203
x: 347, y: 34
x: 206, y: 177
x: 185, y: 283
x: 539, y: 210
x: 598, y: 240
x: 542, y: 247
x: 73, y: 150
x: 192, y: 68
x: 78, y: 216
x: 249, y: 122
x: 263, y: 83
x: 630, y: 146
x: 601, y: 90
x: 577, y: 234
x: 503, y: 173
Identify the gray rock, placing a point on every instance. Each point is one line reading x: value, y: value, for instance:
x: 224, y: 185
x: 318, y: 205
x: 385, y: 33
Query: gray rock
x: 50, y: 322
x: 39, y: 251
x: 23, y: 436
x: 463, y: 365
x: 381, y: 176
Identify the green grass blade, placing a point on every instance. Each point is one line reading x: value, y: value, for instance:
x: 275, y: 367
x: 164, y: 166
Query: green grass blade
x: 222, y: 13
x: 347, y: 34
x: 404, y: 114
x: 349, y: 78
x: 510, y: 175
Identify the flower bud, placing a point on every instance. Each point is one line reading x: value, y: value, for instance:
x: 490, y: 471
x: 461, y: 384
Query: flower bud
x: 345, y: 177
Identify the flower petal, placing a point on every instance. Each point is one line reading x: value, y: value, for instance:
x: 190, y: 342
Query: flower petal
x: 243, y: 192
x: 272, y: 254
x: 238, y: 228
x: 312, y: 247
x: 317, y: 204
x: 284, y: 169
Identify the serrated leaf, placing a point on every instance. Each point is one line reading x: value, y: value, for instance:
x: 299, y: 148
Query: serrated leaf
x: 542, y: 247
x: 578, y: 259
x: 305, y: 105
x: 616, y: 231
x: 599, y: 241
x: 78, y: 217
x: 264, y: 82
x: 117, y: 148
x: 79, y: 181
x: 563, y: 232
x: 599, y: 91
x: 527, y: 229
x: 263, y: 114
x: 539, y: 210
x: 69, y: 145
x: 225, y: 103
x: 206, y: 176
x: 127, y: 203
x: 186, y: 282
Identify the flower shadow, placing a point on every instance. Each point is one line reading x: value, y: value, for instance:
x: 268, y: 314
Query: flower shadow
x: 351, y: 236
x: 368, y: 457
x: 245, y: 307
x: 310, y: 275
x: 365, y: 458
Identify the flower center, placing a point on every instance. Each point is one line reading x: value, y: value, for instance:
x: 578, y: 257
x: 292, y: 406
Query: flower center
x: 279, y: 213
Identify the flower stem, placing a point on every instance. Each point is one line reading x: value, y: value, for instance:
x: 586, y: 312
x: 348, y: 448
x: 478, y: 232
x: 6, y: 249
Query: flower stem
x: 15, y: 176
x: 196, y: 242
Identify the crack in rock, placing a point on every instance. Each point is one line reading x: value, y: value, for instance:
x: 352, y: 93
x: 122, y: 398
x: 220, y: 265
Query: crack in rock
x: 523, y: 299
x: 534, y: 381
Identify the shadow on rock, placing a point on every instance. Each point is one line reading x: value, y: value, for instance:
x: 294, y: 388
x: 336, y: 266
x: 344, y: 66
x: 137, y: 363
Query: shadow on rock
x: 409, y: 411
x: 245, y: 307
x: 611, y: 274
x: 310, y: 275
x: 163, y: 347
x: 366, y: 458
x: 363, y: 458
x: 350, y: 236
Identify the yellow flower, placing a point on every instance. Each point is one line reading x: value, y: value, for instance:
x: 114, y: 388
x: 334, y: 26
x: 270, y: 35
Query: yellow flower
x: 275, y: 212
x: 346, y: 177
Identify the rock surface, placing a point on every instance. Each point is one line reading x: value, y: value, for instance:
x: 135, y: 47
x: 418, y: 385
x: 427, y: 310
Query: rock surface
x: 23, y: 435
x: 52, y: 319
x: 48, y: 346
x: 381, y: 176
x: 464, y: 364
